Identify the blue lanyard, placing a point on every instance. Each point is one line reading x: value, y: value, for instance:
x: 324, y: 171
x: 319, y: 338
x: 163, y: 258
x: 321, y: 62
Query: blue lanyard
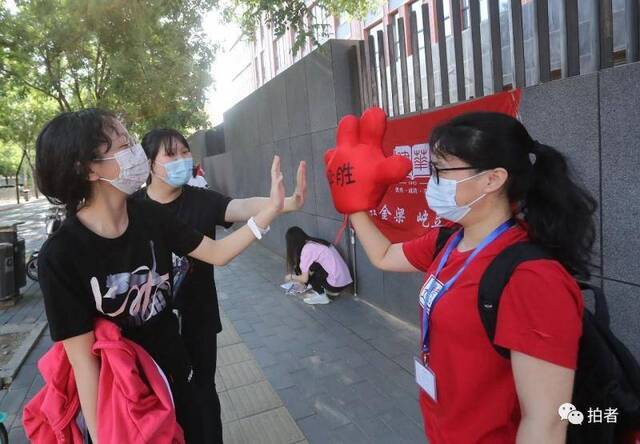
x: 446, y: 286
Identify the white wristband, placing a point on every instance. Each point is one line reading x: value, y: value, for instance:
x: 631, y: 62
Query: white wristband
x: 256, y: 230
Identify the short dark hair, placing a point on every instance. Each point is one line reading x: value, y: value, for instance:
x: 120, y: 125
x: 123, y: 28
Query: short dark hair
x: 64, y: 149
x: 159, y: 137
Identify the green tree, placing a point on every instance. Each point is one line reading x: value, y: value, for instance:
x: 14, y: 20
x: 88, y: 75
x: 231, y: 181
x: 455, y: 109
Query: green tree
x: 22, y: 115
x: 147, y: 60
x: 10, y: 155
x: 292, y: 14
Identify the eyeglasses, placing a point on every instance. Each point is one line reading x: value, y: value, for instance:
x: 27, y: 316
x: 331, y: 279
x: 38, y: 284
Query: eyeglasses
x: 132, y: 142
x: 435, y: 171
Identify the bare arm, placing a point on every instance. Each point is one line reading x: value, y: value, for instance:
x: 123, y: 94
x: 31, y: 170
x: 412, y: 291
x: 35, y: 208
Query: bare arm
x: 380, y: 251
x: 220, y: 252
x: 303, y: 278
x: 240, y: 210
x: 542, y: 387
x: 86, y: 368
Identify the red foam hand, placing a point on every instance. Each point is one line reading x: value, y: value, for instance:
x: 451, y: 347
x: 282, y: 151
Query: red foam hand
x: 357, y: 170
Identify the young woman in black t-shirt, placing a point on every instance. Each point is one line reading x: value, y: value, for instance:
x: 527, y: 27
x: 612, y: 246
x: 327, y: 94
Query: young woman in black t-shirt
x: 111, y: 257
x: 171, y: 167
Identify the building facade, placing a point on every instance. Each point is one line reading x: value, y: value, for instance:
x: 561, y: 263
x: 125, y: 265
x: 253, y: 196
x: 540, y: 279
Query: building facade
x: 259, y: 60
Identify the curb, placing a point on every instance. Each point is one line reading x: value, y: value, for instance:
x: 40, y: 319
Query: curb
x: 9, y: 371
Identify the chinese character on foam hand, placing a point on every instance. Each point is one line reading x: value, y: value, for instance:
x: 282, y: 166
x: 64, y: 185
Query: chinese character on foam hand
x: 384, y: 213
x: 400, y: 216
x: 423, y: 218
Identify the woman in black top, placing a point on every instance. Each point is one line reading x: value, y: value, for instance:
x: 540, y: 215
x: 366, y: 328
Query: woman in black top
x: 195, y: 297
x: 111, y: 257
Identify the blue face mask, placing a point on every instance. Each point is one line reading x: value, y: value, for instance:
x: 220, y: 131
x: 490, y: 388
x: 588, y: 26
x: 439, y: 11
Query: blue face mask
x: 178, y: 172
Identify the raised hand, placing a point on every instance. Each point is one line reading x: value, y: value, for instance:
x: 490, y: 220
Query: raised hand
x: 277, y: 193
x: 296, y: 201
x: 357, y: 170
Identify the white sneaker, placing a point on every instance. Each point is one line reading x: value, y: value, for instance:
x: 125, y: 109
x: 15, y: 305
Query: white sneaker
x: 317, y: 298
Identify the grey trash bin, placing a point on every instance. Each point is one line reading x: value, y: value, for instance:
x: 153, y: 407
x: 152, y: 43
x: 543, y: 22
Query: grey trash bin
x: 19, y: 262
x: 7, y: 276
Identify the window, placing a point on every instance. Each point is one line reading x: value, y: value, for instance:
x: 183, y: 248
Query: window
x: 344, y: 27
x: 465, y: 15
x: 417, y: 8
x: 396, y: 36
x: 256, y: 71
x: 282, y: 52
x: 277, y: 61
x: 395, y: 4
x: 321, y: 24
x: 374, y: 15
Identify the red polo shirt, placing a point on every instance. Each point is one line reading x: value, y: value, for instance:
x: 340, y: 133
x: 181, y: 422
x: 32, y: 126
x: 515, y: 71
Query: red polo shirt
x: 540, y: 315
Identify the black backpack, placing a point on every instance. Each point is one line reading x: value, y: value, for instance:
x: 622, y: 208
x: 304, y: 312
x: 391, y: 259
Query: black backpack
x: 607, y: 375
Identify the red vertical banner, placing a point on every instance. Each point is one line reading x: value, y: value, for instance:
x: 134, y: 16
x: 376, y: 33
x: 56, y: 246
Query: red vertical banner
x: 403, y: 213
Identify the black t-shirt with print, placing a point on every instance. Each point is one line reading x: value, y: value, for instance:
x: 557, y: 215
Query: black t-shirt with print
x: 127, y: 280
x: 196, y: 296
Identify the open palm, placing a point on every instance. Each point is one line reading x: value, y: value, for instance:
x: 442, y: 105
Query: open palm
x: 277, y: 193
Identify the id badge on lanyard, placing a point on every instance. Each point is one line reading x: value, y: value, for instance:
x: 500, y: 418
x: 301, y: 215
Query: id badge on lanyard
x: 425, y: 377
x: 431, y: 293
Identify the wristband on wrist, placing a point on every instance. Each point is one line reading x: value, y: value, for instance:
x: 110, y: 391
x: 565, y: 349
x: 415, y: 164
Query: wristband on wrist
x: 256, y: 230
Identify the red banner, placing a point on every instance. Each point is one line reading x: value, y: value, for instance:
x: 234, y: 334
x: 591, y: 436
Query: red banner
x: 403, y: 213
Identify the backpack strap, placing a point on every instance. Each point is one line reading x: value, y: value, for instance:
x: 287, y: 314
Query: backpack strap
x: 495, y: 279
x: 601, y: 312
x: 444, y: 234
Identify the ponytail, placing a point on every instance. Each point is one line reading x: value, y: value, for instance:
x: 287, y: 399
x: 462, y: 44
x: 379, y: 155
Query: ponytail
x: 559, y: 212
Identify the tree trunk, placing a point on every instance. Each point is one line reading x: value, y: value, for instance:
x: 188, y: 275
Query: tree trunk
x: 33, y: 172
x: 18, y: 177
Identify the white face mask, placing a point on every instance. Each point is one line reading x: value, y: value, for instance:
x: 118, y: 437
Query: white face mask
x: 134, y: 169
x: 441, y: 198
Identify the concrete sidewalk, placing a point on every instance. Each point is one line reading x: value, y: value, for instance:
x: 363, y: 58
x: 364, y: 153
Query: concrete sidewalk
x: 343, y: 370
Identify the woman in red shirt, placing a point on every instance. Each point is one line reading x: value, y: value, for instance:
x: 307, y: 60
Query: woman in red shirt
x: 483, y: 166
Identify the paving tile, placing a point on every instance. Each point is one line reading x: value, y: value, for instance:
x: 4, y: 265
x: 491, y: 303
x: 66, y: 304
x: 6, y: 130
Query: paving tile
x: 18, y: 436
x: 377, y: 431
x: 307, y: 384
x: 264, y: 357
x: 272, y: 427
x: 229, y: 336
x: 233, y: 354
x: 402, y: 425
x: 298, y: 406
x: 228, y: 411
x: 254, y: 398
x: 349, y: 434
x: 232, y: 433
x: 13, y: 400
x: 279, y: 377
x: 220, y: 387
x: 243, y: 373
x: 330, y: 410
x: 25, y: 377
x: 315, y: 429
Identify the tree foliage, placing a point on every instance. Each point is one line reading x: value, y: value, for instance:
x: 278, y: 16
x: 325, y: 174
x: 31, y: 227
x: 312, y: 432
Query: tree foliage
x: 146, y: 60
x: 294, y: 15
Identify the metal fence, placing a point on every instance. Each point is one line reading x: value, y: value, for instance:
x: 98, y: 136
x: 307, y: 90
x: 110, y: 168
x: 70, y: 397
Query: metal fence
x: 491, y: 46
